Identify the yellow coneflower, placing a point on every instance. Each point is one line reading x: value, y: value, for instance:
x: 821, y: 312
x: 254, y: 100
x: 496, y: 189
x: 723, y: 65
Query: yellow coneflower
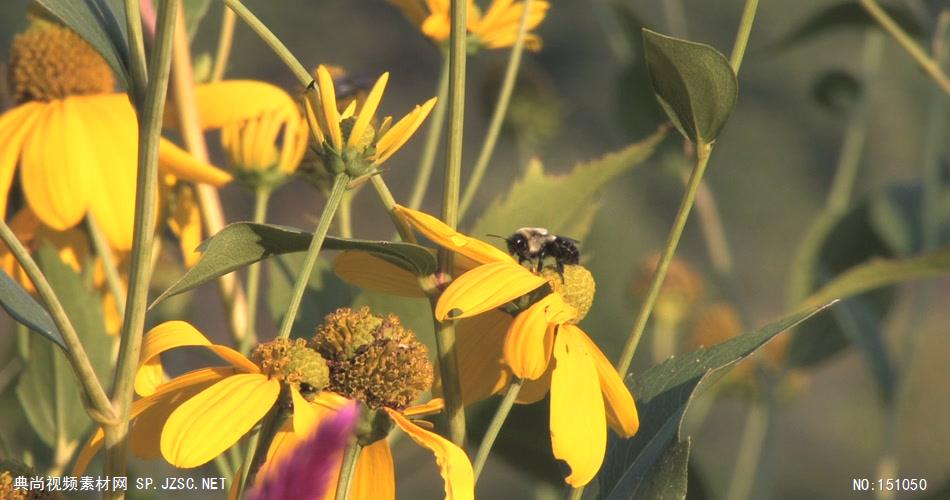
x: 496, y: 28
x: 74, y: 138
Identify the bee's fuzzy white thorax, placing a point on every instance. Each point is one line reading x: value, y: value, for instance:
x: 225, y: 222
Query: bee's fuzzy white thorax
x: 536, y: 237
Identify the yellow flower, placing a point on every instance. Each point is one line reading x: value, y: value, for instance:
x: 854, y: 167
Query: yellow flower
x: 348, y: 141
x: 194, y: 417
x: 584, y: 386
x: 75, y: 140
x: 496, y: 28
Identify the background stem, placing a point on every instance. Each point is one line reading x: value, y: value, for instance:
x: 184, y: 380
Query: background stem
x: 742, y: 35
x: 751, y: 443
x: 261, y: 197
x: 350, y: 455
x: 104, y: 251
x: 494, y: 427
x: 433, y: 138
x: 281, y: 50
x: 225, y: 41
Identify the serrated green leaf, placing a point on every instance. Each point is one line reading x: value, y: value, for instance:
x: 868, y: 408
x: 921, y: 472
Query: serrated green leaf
x: 663, y: 394
x: 694, y: 84
x: 565, y: 204
x: 102, y: 24
x: 848, y: 15
x: 24, y: 308
x: 48, y: 390
x: 244, y: 243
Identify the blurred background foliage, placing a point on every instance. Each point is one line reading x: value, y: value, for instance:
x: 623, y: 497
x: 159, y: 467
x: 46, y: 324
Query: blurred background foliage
x: 585, y: 94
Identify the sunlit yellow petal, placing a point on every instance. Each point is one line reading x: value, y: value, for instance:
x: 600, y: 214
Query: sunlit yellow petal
x: 183, y: 165
x: 313, y: 122
x: 328, y: 108
x: 172, y: 334
x: 621, y: 410
x: 530, y: 340
x: 481, y: 364
x: 374, y: 477
x: 186, y: 224
x: 372, y: 273
x: 454, y: 466
x: 209, y: 423
x: 533, y: 391
x: 230, y: 101
x: 441, y: 234
x: 305, y: 414
x: 485, y: 288
x: 401, y: 132
x: 146, y: 433
x: 431, y: 407
x: 368, y: 110
x: 437, y: 26
x: 578, y: 422
x: 15, y: 124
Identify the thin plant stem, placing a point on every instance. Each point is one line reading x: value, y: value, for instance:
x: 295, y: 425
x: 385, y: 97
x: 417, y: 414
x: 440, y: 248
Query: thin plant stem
x: 146, y: 189
x: 101, y: 408
x: 907, y: 43
x: 261, y: 197
x: 345, y: 215
x: 675, y: 17
x: 104, y: 251
x: 498, y: 115
x: 281, y: 50
x: 347, y: 469
x: 742, y: 36
x: 433, y: 138
x: 189, y: 125
x: 751, y: 444
x: 389, y: 203
x: 137, y: 66
x: 225, y: 42
x: 494, y: 427
x: 319, y: 234
x: 679, y: 222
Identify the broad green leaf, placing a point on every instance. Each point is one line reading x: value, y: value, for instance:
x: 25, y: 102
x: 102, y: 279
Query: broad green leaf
x: 48, y: 389
x: 663, y: 394
x: 195, y: 11
x: 848, y: 15
x: 25, y: 309
x: 668, y: 478
x: 323, y: 295
x: 244, y: 243
x: 102, y: 24
x: 565, y: 204
x: 694, y: 84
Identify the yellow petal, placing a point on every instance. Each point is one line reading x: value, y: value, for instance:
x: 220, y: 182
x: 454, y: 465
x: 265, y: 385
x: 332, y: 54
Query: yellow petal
x: 453, y: 464
x: 533, y: 391
x: 530, y: 339
x: 328, y: 110
x: 186, y: 224
x: 437, y: 26
x: 172, y: 334
x: 485, y: 288
x: 441, y: 234
x: 431, y: 407
x: 372, y: 273
x: 368, y: 110
x: 578, y: 422
x: 402, y: 131
x: 305, y: 414
x: 481, y: 364
x: 297, y: 429
x: 174, y: 160
x: 231, y: 101
x: 374, y: 477
x: 15, y: 125
x: 58, y: 166
x: 621, y: 409
x: 412, y: 9
x: 313, y: 123
x: 208, y: 424
x: 146, y: 433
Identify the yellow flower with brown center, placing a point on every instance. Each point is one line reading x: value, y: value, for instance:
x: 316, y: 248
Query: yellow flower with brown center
x: 496, y: 28
x: 348, y: 142
x: 194, y: 417
x: 541, y: 344
x: 378, y: 362
x: 74, y: 138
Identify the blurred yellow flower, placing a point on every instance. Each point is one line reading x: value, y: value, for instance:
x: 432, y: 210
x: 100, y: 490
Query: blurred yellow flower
x: 75, y: 140
x: 496, y: 28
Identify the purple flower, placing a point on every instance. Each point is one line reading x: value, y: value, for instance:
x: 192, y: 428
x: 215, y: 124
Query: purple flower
x: 306, y: 473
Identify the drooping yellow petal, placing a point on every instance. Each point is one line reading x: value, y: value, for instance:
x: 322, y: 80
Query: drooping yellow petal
x: 485, y: 288
x: 454, y: 466
x: 209, y: 423
x: 328, y: 110
x: 430, y: 407
x: 172, y: 334
x: 374, y: 477
x: 231, y: 101
x: 58, y: 166
x: 441, y: 234
x: 174, y: 160
x: 313, y: 123
x: 305, y: 414
x: 481, y: 365
x: 298, y: 428
x: 146, y: 433
x: 372, y: 273
x: 530, y: 339
x: 578, y: 422
x: 621, y: 409
x: 402, y: 131
x: 15, y: 125
x: 368, y: 110
x: 533, y: 391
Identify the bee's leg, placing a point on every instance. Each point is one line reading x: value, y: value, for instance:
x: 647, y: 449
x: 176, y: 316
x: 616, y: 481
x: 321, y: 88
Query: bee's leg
x: 540, y: 261
x: 560, y: 269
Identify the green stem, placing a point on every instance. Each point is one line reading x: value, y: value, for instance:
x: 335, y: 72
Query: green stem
x: 742, y: 35
x: 137, y: 65
x: 433, y: 137
x: 301, y: 73
x: 498, y: 116
x: 261, y: 197
x: 501, y: 414
x: 146, y: 189
x: 350, y: 455
x: 104, y: 251
x: 908, y: 44
x: 448, y: 369
x: 345, y: 215
x: 323, y: 226
x: 225, y: 42
x: 675, y: 17
x: 751, y: 445
x: 389, y: 203
x: 702, y: 159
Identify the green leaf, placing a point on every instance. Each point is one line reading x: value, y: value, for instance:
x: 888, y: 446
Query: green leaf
x: 848, y: 15
x: 663, y: 394
x: 694, y: 84
x: 565, y: 204
x: 195, y: 11
x: 244, y: 243
x: 102, y: 24
x: 48, y: 390
x: 24, y: 308
x: 668, y: 478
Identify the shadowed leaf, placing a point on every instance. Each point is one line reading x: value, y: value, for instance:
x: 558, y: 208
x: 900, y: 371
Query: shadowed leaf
x: 25, y: 309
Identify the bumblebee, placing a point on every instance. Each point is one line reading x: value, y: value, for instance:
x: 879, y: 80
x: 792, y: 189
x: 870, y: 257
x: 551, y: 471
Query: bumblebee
x: 536, y: 243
